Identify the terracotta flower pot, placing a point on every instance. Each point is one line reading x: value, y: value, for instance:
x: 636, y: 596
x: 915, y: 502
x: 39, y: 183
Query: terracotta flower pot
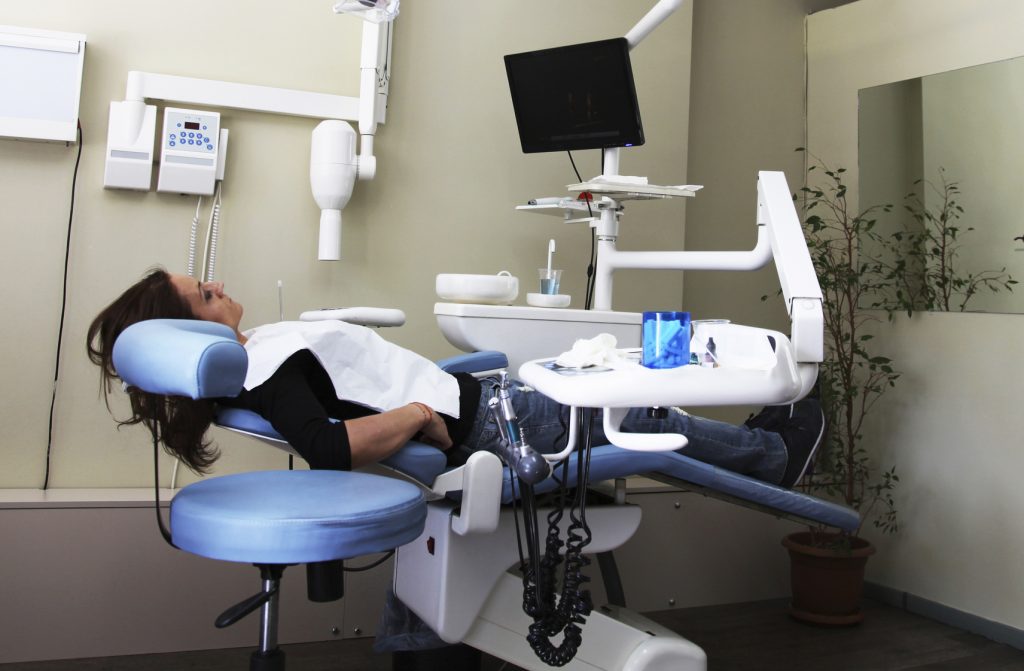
x: 827, y: 582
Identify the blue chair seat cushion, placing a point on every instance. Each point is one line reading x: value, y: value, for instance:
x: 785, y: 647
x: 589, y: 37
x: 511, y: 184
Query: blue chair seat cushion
x: 295, y: 517
x: 420, y: 462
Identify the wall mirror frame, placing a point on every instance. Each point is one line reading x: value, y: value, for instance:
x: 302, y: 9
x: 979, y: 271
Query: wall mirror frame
x: 870, y: 43
x: 946, y: 150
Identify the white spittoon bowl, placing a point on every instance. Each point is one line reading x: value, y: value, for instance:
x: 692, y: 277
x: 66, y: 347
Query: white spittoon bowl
x: 548, y: 300
x: 500, y: 289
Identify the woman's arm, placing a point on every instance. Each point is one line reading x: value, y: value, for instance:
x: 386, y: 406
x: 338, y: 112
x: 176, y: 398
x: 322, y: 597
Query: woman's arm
x: 288, y: 401
x: 375, y: 437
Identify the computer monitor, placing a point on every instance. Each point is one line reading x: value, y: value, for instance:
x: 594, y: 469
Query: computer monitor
x: 579, y: 96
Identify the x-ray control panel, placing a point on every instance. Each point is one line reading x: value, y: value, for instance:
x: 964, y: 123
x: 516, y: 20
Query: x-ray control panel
x: 190, y: 144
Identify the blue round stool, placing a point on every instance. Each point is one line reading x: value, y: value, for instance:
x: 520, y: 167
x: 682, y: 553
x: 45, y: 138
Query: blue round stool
x: 276, y: 518
x: 271, y: 519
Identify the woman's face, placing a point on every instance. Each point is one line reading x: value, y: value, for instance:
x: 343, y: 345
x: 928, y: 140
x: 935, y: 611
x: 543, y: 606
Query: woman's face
x: 208, y: 300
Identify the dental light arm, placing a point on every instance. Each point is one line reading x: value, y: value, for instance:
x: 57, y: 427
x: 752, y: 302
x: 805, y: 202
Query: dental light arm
x: 652, y: 20
x: 644, y: 27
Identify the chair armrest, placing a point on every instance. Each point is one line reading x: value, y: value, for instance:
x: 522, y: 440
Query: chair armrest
x: 474, y: 362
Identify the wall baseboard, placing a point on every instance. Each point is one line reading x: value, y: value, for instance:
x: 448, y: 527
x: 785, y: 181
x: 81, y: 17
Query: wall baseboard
x: 996, y: 631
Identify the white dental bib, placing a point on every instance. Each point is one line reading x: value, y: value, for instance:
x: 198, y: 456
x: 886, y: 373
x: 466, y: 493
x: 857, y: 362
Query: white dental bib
x: 363, y: 367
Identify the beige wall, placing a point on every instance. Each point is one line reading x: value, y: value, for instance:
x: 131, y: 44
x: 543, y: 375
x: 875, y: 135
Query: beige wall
x: 450, y: 171
x: 951, y: 426
x: 746, y: 115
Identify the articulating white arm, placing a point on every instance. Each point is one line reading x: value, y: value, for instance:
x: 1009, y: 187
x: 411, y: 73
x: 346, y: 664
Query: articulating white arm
x: 800, y: 287
x: 651, y: 20
x: 372, y: 93
x: 610, y: 259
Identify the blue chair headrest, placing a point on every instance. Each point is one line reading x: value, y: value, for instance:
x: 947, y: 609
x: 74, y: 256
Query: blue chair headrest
x: 181, y: 357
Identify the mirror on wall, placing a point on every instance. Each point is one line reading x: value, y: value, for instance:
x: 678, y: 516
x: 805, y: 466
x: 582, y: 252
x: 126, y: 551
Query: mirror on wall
x: 947, y: 151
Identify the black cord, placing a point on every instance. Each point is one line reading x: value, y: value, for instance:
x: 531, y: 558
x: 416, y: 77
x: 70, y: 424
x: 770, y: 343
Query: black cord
x: 374, y: 564
x: 589, y: 291
x: 156, y: 487
x: 63, y: 309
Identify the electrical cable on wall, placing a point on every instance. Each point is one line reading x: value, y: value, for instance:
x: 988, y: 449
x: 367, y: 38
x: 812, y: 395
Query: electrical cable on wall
x: 212, y: 236
x: 193, y: 233
x: 63, y: 310
x: 589, y: 291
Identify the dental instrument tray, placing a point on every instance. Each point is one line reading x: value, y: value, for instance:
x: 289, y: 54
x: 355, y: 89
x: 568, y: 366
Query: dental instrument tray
x: 630, y: 385
x: 625, y: 188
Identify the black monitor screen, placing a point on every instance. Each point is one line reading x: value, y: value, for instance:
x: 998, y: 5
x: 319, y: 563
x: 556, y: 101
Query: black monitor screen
x: 575, y: 97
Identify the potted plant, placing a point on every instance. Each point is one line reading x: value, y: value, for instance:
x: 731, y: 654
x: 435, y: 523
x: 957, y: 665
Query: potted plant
x: 851, y: 380
x: 865, y: 276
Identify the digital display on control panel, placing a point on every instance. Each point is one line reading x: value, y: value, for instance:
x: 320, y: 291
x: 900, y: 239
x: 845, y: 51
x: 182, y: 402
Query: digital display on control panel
x: 192, y: 125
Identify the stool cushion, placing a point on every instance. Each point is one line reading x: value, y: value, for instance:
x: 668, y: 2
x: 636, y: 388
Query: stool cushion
x: 295, y: 517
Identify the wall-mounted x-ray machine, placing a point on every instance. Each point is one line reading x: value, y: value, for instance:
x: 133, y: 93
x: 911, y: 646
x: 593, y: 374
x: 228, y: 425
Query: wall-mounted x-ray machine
x: 192, y: 168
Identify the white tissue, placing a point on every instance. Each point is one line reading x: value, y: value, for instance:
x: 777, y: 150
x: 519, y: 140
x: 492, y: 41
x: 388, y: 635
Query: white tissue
x: 597, y: 351
x: 364, y: 368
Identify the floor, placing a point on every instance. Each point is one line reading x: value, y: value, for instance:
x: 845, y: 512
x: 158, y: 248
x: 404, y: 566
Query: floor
x: 755, y: 636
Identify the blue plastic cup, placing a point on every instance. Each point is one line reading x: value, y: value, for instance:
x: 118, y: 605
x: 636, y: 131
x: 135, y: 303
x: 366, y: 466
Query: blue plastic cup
x: 666, y: 339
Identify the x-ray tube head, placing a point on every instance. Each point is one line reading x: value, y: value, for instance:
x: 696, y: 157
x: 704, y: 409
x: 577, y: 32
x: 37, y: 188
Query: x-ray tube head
x: 332, y: 174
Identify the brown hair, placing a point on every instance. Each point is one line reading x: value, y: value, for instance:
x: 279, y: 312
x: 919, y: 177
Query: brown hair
x: 180, y: 423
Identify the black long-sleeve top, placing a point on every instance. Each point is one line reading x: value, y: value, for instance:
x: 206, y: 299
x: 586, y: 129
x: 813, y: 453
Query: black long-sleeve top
x: 299, y: 401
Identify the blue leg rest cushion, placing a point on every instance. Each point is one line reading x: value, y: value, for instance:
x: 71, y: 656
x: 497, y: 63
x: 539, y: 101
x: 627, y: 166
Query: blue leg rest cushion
x: 295, y: 517
x: 607, y: 462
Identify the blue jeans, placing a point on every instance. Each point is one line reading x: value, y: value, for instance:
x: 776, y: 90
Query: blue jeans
x: 754, y: 452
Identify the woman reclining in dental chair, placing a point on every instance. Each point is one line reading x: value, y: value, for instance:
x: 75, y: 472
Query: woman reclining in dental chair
x: 340, y: 418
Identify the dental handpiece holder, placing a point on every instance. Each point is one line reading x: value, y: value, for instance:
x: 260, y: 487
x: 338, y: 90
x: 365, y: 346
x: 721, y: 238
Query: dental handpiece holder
x: 528, y: 464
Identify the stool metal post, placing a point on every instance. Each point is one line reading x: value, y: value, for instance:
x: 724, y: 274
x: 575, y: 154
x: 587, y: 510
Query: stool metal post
x: 269, y: 657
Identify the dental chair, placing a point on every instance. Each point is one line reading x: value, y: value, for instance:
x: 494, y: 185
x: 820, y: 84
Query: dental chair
x: 272, y: 519
x: 451, y: 568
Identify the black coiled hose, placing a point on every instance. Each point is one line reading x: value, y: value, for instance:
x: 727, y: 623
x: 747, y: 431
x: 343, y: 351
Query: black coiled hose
x: 575, y: 603
x: 573, y: 607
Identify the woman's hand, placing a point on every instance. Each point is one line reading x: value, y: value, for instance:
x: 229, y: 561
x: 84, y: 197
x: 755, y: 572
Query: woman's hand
x: 434, y: 431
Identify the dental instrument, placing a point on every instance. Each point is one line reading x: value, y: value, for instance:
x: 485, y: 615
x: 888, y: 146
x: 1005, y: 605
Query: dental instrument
x: 528, y: 464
